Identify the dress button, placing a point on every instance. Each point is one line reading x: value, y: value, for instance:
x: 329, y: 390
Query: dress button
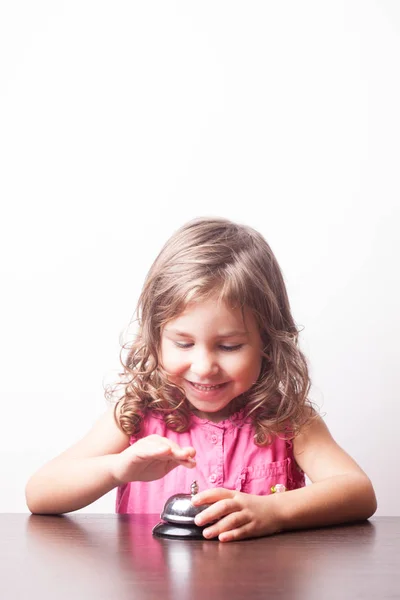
x: 214, y: 439
x: 212, y: 478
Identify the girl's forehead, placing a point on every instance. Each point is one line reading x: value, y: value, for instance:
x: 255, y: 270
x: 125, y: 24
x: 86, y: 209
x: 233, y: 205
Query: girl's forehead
x: 213, y: 312
x: 212, y: 304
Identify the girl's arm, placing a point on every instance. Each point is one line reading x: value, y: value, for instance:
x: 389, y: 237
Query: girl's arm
x: 99, y: 462
x: 81, y: 474
x: 340, y: 490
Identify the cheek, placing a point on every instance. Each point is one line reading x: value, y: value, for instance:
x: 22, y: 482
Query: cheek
x: 247, y: 370
x: 253, y: 369
x: 171, y: 360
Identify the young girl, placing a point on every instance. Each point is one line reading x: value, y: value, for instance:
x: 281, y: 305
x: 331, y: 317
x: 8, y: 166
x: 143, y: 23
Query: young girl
x: 214, y: 389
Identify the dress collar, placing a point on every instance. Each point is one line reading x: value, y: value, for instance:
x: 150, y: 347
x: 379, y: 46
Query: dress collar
x: 235, y: 419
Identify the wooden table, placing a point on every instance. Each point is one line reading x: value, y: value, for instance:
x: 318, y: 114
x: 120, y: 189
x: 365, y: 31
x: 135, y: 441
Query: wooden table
x: 85, y: 556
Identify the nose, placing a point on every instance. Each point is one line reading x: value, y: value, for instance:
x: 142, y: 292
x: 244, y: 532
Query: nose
x: 204, y: 364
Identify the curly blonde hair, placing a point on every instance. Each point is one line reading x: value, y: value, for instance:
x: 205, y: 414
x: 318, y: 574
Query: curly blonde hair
x: 216, y: 257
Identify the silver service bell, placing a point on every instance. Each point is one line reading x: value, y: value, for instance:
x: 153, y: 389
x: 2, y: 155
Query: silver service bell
x: 178, y: 517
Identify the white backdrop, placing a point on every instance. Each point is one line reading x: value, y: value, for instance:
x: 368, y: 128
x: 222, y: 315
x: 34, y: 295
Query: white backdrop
x: 121, y: 120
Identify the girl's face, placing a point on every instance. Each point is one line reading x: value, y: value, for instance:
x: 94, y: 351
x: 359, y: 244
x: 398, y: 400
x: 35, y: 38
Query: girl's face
x: 212, y: 353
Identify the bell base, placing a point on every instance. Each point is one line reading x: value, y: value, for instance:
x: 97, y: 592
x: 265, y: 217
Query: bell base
x: 178, y: 531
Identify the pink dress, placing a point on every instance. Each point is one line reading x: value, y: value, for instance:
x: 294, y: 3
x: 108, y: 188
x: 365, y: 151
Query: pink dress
x: 226, y: 456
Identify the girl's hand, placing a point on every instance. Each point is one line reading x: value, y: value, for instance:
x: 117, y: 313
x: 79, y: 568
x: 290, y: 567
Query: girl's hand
x: 239, y: 515
x: 150, y: 458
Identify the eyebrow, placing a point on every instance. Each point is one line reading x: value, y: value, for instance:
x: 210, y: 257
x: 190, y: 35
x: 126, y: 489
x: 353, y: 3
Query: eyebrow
x: 228, y: 334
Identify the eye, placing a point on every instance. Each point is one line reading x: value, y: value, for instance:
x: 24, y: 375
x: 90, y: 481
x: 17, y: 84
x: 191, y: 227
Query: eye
x: 222, y: 347
x: 180, y: 345
x: 231, y: 348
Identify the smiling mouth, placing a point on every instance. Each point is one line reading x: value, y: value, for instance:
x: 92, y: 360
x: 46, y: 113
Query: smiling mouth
x: 206, y: 388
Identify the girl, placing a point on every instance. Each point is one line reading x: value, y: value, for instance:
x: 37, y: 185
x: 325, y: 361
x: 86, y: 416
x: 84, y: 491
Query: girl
x: 214, y: 388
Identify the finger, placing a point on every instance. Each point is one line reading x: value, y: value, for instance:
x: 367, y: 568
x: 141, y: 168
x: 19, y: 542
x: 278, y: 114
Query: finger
x: 216, y: 511
x: 179, y: 456
x: 172, y: 464
x: 232, y: 522
x: 212, y: 495
x: 189, y: 463
x: 179, y: 452
x: 162, y: 448
x: 240, y: 533
x: 168, y: 455
x: 189, y: 452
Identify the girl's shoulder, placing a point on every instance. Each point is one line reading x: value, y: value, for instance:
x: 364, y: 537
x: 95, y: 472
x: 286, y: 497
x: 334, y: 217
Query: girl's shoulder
x: 309, y: 416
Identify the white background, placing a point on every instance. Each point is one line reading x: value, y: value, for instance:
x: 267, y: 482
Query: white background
x: 121, y: 120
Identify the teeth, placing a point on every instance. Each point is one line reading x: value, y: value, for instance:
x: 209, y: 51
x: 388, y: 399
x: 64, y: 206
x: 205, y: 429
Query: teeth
x: 205, y: 388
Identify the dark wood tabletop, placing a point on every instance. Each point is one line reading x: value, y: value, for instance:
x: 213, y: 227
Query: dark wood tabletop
x: 85, y: 556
